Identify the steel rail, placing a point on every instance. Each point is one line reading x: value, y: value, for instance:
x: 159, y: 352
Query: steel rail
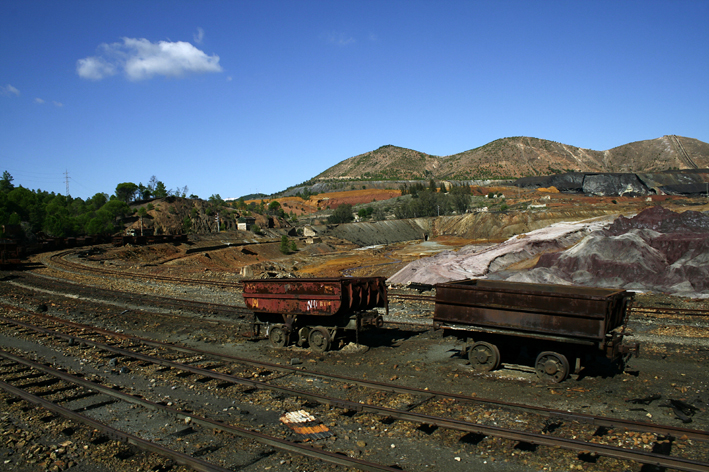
x: 58, y: 258
x: 194, y: 304
x: 586, y: 418
x: 449, y: 423
x: 420, y: 298
x: 669, y: 310
x: 278, y: 443
x: 150, y: 446
x: 635, y: 310
x: 238, y: 286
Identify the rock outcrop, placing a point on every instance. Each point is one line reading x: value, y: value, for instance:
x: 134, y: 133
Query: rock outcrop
x: 657, y: 250
x: 687, y: 182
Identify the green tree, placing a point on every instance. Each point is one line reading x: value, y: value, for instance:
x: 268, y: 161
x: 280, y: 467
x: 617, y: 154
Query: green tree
x: 102, y: 222
x: 97, y: 201
x: 126, y: 191
x: 274, y: 206
x: 285, y: 245
x: 160, y: 190
x: 365, y: 213
x: 152, y: 184
x: 143, y: 191
x: 379, y: 214
x: 6, y: 182
x: 216, y: 200
x: 342, y: 214
x: 116, y: 208
x: 460, y: 201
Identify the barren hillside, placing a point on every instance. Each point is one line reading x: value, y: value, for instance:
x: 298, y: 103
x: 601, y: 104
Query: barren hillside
x: 386, y: 163
x: 520, y: 157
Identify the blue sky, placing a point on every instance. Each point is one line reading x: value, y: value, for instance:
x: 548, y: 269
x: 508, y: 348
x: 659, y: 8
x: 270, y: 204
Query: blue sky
x: 235, y: 97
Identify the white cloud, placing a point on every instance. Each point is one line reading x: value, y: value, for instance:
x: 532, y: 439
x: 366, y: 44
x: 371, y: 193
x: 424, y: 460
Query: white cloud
x: 338, y: 39
x: 58, y: 104
x: 9, y: 90
x: 140, y: 59
x: 39, y: 101
x: 94, y: 68
x: 198, y: 36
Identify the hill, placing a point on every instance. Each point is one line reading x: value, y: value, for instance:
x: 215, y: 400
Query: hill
x: 520, y: 157
x: 386, y: 163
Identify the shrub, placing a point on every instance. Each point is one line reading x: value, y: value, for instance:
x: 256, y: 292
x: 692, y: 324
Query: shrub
x: 365, y: 213
x: 342, y: 214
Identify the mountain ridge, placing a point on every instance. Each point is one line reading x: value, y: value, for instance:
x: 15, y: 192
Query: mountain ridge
x: 521, y: 156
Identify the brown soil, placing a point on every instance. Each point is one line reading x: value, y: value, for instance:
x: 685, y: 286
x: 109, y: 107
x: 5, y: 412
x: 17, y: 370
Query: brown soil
x: 331, y: 200
x: 336, y: 257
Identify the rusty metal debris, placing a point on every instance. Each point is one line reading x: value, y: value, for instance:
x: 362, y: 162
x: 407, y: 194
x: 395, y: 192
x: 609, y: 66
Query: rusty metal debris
x: 645, y: 401
x: 305, y: 425
x: 682, y: 410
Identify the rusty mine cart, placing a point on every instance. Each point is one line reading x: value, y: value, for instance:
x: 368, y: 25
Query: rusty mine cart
x: 319, y: 311
x: 557, y: 323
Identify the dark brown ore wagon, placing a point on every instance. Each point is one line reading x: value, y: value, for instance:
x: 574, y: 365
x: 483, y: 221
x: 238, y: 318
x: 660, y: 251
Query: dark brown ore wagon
x: 555, y: 323
x: 319, y: 312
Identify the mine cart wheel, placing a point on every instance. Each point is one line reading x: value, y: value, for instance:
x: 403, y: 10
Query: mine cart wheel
x: 278, y: 336
x: 319, y: 339
x: 552, y: 367
x: 484, y: 357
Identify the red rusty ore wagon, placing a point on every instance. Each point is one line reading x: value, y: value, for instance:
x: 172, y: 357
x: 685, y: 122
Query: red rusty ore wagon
x: 557, y: 323
x: 319, y: 311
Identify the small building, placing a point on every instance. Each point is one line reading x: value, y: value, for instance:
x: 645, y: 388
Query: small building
x: 245, y: 223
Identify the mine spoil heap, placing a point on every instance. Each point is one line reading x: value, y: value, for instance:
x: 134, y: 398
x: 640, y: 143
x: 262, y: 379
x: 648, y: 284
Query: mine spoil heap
x: 657, y: 250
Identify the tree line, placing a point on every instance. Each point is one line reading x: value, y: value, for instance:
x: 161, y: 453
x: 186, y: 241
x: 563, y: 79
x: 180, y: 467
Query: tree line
x: 56, y: 215
x: 128, y: 191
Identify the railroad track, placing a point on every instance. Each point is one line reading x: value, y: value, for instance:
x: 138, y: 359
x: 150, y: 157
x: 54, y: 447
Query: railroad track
x: 139, y: 300
x: 58, y: 260
x: 174, y: 308
x: 666, y: 311
x: 29, y: 380
x: 634, y: 311
x: 545, y: 427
